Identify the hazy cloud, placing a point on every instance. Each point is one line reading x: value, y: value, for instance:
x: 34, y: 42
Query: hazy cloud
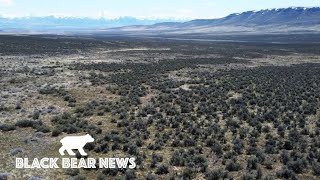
x: 6, y: 2
x: 207, y: 3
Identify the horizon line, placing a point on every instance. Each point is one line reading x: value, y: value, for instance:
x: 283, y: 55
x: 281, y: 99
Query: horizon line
x: 169, y: 18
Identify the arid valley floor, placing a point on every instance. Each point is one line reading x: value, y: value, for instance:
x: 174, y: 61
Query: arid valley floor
x: 183, y: 109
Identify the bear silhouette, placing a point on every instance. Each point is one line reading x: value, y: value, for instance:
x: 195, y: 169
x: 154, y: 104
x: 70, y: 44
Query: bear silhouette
x: 75, y: 142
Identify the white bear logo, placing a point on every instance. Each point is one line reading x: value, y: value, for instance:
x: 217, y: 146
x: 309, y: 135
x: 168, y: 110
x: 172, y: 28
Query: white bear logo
x: 75, y: 142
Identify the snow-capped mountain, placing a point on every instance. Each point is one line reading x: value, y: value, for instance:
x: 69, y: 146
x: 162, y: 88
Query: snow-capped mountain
x: 289, y: 16
x: 71, y: 23
x: 296, y: 19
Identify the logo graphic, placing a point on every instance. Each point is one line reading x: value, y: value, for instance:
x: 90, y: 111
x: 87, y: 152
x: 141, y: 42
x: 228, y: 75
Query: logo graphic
x: 75, y: 142
x: 70, y: 143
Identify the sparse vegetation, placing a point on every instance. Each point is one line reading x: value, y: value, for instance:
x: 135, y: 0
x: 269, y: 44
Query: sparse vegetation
x: 186, y: 110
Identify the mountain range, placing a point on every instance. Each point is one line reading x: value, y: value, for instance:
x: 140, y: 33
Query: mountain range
x: 48, y: 23
x: 285, y: 20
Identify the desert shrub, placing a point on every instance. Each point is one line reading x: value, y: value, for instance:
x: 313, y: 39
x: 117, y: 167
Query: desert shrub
x: 157, y: 157
x: 115, y: 146
x: 130, y: 174
x: 18, y: 105
x: 102, y: 148
x: 27, y: 123
x: 177, y: 159
x: 270, y: 147
x: 248, y: 177
x: 238, y: 146
x: 151, y: 177
x: 187, y: 173
x: 139, y: 142
x: 79, y: 177
x: 70, y: 124
x: 36, y: 115
x: 101, y: 176
x: 268, y: 163
x: 252, y: 163
x: 233, y: 166
x: 42, y: 128
x: 100, y: 113
x: 285, y: 157
x: 47, y: 90
x: 38, y: 125
x: 110, y: 171
x: 153, y: 163
x: 286, y: 174
x: 133, y: 149
x: 162, y: 169
x: 56, y: 132
x: 217, y: 174
x: 217, y: 148
x: 90, y: 146
x: 4, y: 176
x: 288, y: 145
x: 189, y: 142
x: 297, y: 166
x: 6, y: 127
x: 259, y: 173
x: 3, y: 107
x: 72, y: 172
x: 316, y: 168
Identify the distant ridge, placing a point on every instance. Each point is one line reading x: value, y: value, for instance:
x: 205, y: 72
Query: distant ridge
x: 293, y: 19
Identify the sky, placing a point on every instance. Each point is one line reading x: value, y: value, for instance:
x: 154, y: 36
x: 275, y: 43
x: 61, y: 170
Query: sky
x: 150, y: 9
